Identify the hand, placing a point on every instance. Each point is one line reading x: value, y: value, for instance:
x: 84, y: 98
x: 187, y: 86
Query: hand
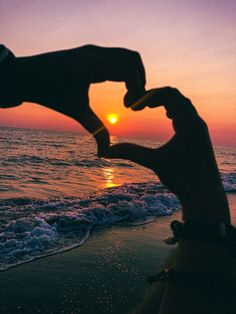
x: 60, y: 80
x: 186, y: 164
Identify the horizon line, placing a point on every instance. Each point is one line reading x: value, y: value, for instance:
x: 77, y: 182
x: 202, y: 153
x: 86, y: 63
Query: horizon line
x: 84, y: 133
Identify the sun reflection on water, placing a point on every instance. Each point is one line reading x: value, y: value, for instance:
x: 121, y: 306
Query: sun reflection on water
x: 109, y: 177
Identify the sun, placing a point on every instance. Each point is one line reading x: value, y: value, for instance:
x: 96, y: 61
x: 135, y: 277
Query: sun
x: 112, y: 118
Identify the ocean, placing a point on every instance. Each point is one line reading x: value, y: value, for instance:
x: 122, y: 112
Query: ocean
x: 54, y: 191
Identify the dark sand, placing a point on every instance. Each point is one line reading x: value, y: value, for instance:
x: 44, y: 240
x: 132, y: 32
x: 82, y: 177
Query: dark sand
x: 105, y: 275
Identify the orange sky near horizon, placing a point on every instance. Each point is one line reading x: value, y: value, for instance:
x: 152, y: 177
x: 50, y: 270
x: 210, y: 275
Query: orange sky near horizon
x: 186, y: 44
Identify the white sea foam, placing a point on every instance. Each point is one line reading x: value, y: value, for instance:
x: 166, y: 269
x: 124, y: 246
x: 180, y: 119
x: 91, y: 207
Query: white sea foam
x: 229, y: 182
x: 47, y: 227
x: 56, y: 165
x: 38, y: 228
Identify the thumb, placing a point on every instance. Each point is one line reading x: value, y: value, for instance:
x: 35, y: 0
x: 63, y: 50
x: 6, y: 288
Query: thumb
x: 136, y: 153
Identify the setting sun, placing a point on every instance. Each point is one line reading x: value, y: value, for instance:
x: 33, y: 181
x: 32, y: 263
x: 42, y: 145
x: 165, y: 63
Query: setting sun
x: 112, y: 118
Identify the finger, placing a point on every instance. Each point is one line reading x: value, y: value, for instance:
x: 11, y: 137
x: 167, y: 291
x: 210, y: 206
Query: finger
x: 174, y: 102
x: 139, y: 154
x: 178, y: 108
x: 151, y: 99
x: 95, y: 126
x: 145, y: 100
x: 127, y: 58
x: 118, y: 64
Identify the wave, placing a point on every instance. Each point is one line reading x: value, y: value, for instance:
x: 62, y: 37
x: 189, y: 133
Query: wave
x: 42, y: 227
x: 39, y: 228
x: 229, y: 181
x: 84, y: 163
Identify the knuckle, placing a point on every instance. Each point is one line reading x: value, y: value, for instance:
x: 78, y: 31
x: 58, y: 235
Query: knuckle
x: 168, y: 89
x: 135, y: 55
x: 202, y: 125
x: 89, y: 48
x: 188, y: 100
x: 175, y: 91
x: 172, y: 90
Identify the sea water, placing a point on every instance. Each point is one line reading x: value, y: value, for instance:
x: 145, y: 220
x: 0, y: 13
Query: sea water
x: 54, y: 191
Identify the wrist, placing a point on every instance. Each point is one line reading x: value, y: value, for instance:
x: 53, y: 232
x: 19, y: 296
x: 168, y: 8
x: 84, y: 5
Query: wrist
x: 199, y: 230
x: 203, y: 246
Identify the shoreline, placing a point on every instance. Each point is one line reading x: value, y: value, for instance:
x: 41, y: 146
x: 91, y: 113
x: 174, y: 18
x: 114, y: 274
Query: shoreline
x: 105, y: 275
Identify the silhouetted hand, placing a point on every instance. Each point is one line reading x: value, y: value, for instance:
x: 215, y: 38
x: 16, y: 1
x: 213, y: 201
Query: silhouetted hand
x: 60, y: 80
x: 186, y: 164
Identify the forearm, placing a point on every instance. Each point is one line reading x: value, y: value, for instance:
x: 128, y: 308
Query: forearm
x: 205, y: 281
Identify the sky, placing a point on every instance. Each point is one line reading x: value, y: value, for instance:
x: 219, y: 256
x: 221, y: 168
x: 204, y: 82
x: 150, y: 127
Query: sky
x: 187, y: 44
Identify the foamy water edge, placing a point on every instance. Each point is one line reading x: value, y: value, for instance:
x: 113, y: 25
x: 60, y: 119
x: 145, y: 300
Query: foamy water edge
x: 41, y: 228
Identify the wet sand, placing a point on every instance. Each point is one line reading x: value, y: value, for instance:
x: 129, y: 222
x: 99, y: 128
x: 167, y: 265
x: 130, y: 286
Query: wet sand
x: 105, y: 275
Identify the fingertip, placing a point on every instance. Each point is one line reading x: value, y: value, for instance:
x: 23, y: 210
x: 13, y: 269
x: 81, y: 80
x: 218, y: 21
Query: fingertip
x: 127, y: 100
x: 134, y: 100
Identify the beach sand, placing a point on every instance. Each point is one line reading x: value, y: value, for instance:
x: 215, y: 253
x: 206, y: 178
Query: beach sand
x: 105, y: 275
